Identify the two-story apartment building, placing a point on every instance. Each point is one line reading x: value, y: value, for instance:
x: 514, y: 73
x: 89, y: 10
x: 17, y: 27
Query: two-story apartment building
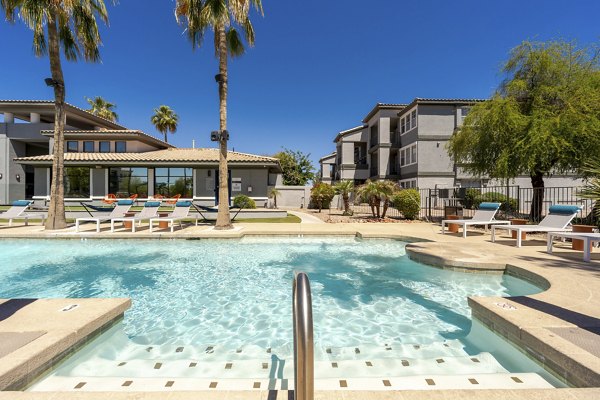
x: 103, y: 158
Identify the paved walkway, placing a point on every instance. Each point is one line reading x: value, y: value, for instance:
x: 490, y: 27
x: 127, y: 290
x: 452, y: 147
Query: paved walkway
x: 306, y: 218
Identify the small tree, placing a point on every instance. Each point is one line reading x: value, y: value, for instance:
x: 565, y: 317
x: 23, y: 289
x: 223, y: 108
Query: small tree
x: 243, y: 201
x: 102, y: 108
x: 273, y: 193
x: 321, y: 195
x: 297, y: 169
x: 408, y: 202
x: 345, y: 189
x: 544, y: 118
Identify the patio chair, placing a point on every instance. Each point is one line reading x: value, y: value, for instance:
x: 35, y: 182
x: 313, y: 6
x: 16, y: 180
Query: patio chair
x: 557, y: 220
x: 119, y: 210
x: 17, y: 211
x: 587, y: 237
x: 149, y: 211
x: 181, y: 211
x: 484, y: 215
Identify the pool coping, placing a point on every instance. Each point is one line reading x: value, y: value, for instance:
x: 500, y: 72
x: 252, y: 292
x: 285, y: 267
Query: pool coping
x: 521, y: 321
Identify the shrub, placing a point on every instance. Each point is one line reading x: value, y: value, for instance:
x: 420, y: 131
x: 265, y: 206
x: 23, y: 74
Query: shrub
x: 408, y: 202
x: 243, y: 201
x: 321, y: 195
x: 507, y: 205
x: 471, y: 196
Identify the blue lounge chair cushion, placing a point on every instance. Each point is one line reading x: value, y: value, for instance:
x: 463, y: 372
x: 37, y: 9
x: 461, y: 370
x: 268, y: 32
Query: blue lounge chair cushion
x: 21, y: 203
x: 186, y: 203
x: 563, y: 209
x: 152, y: 204
x: 489, y: 206
x: 126, y: 202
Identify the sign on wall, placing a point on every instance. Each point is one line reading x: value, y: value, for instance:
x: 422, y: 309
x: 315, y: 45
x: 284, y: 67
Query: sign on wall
x: 236, y: 184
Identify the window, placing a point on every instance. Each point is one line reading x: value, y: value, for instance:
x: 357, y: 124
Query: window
x: 88, y: 147
x: 413, y: 119
x: 77, y: 182
x: 402, y: 126
x: 72, y: 146
x: 464, y: 111
x: 408, y: 155
x: 123, y: 182
x: 120, y: 147
x: 104, y: 147
x: 172, y: 181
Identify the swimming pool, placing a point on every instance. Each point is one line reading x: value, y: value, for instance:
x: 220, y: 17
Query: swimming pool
x: 191, y: 298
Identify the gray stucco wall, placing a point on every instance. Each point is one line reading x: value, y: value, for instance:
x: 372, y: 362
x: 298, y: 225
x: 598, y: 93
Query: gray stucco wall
x: 40, y: 181
x: 437, y: 119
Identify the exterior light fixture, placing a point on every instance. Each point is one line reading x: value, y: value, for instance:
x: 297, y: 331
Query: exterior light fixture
x: 52, y: 82
x: 0, y: 175
x: 18, y: 177
x: 219, y: 78
x: 217, y: 136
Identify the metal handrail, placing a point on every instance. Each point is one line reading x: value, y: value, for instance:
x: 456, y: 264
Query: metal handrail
x: 304, y: 362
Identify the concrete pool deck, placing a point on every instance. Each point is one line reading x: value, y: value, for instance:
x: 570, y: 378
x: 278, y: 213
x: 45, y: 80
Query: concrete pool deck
x: 559, y: 327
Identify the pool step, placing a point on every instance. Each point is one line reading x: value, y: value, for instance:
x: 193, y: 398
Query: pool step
x: 388, y: 382
x: 273, y: 367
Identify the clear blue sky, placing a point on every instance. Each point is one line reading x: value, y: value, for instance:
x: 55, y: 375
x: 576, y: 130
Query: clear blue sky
x: 317, y: 68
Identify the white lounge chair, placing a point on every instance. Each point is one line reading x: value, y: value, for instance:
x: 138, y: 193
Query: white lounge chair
x: 149, y: 211
x: 119, y: 211
x: 483, y: 216
x: 557, y: 220
x: 587, y: 237
x: 17, y: 211
x: 181, y: 211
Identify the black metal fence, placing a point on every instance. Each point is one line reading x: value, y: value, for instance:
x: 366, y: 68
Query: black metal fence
x: 517, y: 202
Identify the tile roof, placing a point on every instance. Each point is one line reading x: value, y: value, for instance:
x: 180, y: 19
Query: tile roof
x: 382, y: 106
x: 129, y: 132
x: 343, y: 133
x: 172, y: 155
x: 421, y: 100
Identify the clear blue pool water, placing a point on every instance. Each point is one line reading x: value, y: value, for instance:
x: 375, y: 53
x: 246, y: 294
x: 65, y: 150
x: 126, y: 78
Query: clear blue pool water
x: 239, y: 292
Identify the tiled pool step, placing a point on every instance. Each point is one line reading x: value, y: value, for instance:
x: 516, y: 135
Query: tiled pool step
x: 224, y: 353
x: 389, y: 382
x: 266, y: 368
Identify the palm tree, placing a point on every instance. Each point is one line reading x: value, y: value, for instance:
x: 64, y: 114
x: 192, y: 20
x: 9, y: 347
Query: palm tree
x: 165, y: 120
x: 102, y: 108
x: 345, y: 188
x: 591, y: 190
x: 274, y: 193
x: 72, y: 26
x: 222, y: 17
x: 377, y: 192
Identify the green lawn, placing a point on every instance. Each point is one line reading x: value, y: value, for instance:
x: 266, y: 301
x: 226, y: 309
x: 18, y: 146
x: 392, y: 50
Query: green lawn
x: 290, y: 219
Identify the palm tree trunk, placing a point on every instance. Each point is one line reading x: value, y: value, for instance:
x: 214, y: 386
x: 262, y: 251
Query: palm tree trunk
x: 346, y: 199
x: 165, y: 133
x: 386, y: 204
x: 223, y: 218
x: 56, y: 211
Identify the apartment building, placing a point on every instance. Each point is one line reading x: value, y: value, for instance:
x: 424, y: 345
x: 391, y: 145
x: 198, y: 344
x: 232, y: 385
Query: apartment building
x: 407, y: 143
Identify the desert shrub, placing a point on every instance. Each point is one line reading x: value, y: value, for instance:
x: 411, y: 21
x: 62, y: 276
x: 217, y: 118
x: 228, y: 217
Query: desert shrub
x: 243, y: 201
x: 408, y: 202
x: 507, y: 205
x: 321, y: 195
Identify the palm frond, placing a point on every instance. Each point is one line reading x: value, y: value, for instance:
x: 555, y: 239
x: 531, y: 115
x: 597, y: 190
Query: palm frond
x: 235, y: 46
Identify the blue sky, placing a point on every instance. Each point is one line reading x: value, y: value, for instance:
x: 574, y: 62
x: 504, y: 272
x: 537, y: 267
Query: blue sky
x: 317, y: 68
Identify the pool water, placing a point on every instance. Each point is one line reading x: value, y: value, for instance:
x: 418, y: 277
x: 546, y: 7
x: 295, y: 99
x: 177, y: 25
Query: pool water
x: 239, y: 292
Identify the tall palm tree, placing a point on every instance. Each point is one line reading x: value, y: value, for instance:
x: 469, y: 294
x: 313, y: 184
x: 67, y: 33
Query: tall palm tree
x: 165, y: 120
x: 102, y: 108
x: 345, y: 188
x: 222, y: 17
x: 71, y: 25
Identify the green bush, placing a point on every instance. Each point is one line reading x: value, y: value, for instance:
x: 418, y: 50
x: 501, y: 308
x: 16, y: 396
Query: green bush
x: 408, y: 202
x: 321, y: 195
x: 470, y: 199
x: 508, y: 206
x: 243, y: 201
